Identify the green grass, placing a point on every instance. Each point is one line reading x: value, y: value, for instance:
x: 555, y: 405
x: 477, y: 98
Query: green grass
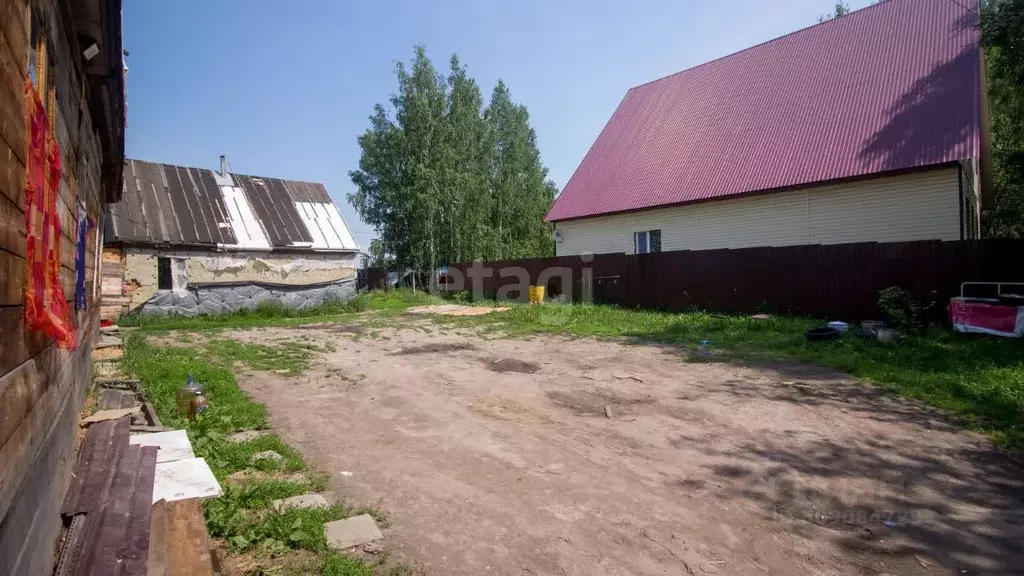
x: 287, y: 358
x: 276, y: 314
x: 338, y: 565
x: 241, y: 515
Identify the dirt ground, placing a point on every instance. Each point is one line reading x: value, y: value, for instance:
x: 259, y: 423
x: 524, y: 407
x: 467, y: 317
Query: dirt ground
x: 498, y: 456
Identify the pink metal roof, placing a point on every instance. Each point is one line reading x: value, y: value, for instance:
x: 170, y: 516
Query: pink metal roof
x: 890, y: 87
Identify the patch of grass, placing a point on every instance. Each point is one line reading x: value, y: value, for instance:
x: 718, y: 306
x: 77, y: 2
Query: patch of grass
x: 241, y: 515
x: 387, y: 302
x: 287, y: 358
x: 163, y: 370
x: 339, y: 565
x: 979, y: 379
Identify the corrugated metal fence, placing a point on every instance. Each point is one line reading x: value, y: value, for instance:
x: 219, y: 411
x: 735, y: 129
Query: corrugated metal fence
x: 838, y: 281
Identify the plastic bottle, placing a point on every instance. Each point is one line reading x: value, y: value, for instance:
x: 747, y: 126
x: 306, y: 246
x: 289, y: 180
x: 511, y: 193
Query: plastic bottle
x: 197, y: 404
x: 184, y: 395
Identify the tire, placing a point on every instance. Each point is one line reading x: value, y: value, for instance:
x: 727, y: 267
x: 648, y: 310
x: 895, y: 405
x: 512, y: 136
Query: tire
x: 820, y: 334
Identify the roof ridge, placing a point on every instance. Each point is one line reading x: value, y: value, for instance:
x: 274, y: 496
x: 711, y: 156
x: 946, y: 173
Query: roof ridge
x: 766, y: 42
x: 215, y: 171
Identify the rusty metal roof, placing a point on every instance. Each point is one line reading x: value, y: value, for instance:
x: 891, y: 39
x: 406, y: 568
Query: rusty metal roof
x: 894, y: 86
x: 166, y: 204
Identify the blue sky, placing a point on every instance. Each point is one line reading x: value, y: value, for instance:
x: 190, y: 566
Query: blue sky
x: 284, y: 88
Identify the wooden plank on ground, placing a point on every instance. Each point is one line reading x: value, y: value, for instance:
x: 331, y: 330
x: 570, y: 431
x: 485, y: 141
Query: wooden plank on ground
x: 101, y: 447
x: 187, y: 542
x: 136, y: 555
x: 108, y: 526
x: 111, y: 399
x: 158, y: 540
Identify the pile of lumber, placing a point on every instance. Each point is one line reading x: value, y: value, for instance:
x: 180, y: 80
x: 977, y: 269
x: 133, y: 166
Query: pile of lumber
x: 113, y: 524
x: 108, y: 506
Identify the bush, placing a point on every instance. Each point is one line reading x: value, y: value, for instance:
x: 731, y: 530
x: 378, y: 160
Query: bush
x: 906, y: 312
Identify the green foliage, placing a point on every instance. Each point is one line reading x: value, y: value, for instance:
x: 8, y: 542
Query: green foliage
x: 906, y: 312
x: 841, y: 9
x: 1002, y: 28
x: 338, y: 565
x: 287, y: 358
x: 443, y: 180
x: 164, y: 369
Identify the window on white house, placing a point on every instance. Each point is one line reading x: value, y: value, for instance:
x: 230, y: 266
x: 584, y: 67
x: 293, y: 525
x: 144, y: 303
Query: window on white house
x: 647, y: 241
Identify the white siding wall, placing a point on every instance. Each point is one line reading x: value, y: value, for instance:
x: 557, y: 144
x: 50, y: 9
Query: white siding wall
x: 921, y: 206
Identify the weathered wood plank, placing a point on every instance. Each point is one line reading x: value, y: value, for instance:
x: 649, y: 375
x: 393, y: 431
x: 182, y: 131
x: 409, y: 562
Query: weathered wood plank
x: 108, y: 525
x: 12, y: 113
x: 12, y: 228
x: 113, y: 399
x: 24, y: 444
x: 31, y: 526
x: 14, y: 28
x: 20, y: 344
x: 12, y: 177
x: 136, y: 553
x: 158, y: 532
x: 20, y: 390
x: 12, y: 271
x: 187, y: 542
x: 92, y: 471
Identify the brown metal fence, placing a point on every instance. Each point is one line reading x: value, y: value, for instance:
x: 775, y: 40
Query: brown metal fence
x: 838, y: 281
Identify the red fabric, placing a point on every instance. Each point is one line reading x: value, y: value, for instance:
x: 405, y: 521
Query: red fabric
x: 46, y: 308
x: 893, y: 86
x: 1002, y: 319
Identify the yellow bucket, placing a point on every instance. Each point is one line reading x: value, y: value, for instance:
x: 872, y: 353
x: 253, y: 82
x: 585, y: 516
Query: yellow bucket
x: 536, y: 294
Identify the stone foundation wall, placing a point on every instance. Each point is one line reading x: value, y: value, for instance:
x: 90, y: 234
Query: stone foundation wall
x: 212, y: 299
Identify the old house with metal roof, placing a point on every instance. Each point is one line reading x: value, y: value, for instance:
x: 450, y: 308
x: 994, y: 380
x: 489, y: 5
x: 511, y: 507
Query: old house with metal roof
x: 192, y: 240
x: 868, y: 127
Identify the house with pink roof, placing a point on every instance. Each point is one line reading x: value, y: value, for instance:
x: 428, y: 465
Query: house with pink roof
x: 871, y: 127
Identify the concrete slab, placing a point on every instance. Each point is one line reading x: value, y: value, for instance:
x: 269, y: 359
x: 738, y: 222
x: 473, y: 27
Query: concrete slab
x: 247, y: 435
x: 301, y: 501
x: 354, y: 531
x: 173, y: 445
x: 182, y: 479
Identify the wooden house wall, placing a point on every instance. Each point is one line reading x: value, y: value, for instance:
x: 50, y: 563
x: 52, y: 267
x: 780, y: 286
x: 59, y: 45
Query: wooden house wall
x: 41, y: 387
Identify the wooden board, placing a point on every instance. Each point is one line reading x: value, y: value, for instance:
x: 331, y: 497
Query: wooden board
x: 12, y: 114
x: 25, y: 442
x: 179, y: 545
x: 32, y: 521
x: 102, y: 446
x: 117, y: 532
x: 14, y: 28
x: 12, y: 227
x: 114, y: 399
